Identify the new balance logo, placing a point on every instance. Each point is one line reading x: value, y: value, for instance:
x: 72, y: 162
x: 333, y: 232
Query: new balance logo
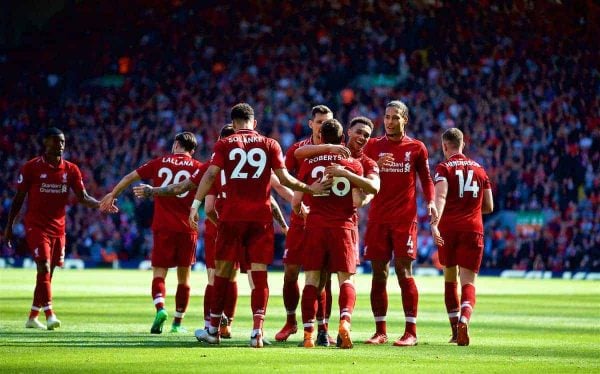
x: 43, y: 176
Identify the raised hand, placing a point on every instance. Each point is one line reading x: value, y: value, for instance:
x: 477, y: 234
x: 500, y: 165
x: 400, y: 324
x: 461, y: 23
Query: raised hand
x: 339, y: 149
x: 321, y: 186
x: 335, y: 170
x: 385, y: 160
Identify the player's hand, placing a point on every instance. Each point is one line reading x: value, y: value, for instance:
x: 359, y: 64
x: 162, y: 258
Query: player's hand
x: 433, y: 213
x: 285, y: 230
x: 193, y: 218
x: 8, y: 235
x: 107, y: 204
x: 386, y: 160
x: 335, y: 170
x: 339, y: 149
x: 143, y: 191
x: 321, y: 186
x: 304, y: 210
x: 437, y: 237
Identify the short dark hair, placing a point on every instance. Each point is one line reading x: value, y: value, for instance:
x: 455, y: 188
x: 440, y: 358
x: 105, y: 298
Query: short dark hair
x: 332, y: 132
x: 187, y: 140
x: 362, y: 120
x: 453, y: 136
x: 400, y: 106
x: 51, y: 131
x: 242, y: 111
x: 226, y: 131
x: 320, y: 109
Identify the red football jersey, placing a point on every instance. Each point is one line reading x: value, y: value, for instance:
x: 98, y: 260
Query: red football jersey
x: 466, y: 182
x: 396, y: 201
x: 334, y: 209
x: 171, y: 212
x: 247, y: 159
x: 216, y: 186
x: 47, y: 188
x: 293, y: 166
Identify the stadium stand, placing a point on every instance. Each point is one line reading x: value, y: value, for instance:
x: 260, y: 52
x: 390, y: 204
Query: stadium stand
x: 122, y: 77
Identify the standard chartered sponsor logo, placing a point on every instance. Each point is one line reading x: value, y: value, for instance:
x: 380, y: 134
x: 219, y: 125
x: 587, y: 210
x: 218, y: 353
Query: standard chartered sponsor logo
x: 53, y: 188
x: 397, y: 167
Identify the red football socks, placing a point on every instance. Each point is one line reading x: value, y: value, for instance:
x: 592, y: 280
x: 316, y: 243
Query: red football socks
x: 451, y: 300
x: 346, y: 301
x: 182, y: 299
x: 208, y: 292
x: 309, y: 307
x: 231, y: 300
x: 259, y: 298
x: 291, y: 297
x: 467, y: 302
x: 158, y: 292
x: 379, y: 305
x: 217, y: 303
x: 410, y: 300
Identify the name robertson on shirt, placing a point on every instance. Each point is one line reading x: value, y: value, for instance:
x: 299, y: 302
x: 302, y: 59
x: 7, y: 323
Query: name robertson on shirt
x: 53, y: 188
x: 325, y: 158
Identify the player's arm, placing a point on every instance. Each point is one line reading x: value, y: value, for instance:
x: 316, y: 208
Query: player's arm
x: 278, y: 216
x: 311, y: 150
x: 15, y: 208
x: 209, y: 208
x: 203, y: 188
x: 487, y: 205
x: 108, y: 201
x: 289, y: 181
x: 369, y: 184
x: 147, y: 191
x: 297, y: 204
x: 441, y: 191
x: 422, y: 166
x: 286, y: 193
x: 85, y: 199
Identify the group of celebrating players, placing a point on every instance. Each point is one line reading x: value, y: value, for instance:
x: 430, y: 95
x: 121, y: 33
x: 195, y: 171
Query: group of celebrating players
x: 325, y: 179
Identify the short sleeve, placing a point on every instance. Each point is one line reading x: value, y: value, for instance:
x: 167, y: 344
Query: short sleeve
x: 24, y: 179
x: 276, y: 155
x: 147, y: 171
x: 75, y: 179
x: 441, y: 174
x: 218, y: 157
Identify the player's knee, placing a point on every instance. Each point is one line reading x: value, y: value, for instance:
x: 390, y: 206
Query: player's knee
x: 43, y: 267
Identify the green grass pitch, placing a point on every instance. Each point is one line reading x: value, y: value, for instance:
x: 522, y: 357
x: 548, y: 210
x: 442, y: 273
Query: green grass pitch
x: 518, y: 325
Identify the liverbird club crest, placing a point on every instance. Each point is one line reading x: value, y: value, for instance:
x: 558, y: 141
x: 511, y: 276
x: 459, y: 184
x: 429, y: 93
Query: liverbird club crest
x: 407, y: 156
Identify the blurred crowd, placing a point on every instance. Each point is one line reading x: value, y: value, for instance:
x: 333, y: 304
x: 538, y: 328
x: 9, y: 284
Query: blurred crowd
x: 520, y: 78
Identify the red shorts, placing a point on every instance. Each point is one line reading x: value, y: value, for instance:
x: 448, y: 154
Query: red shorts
x: 293, y: 245
x: 383, y: 240
x: 330, y: 248
x: 210, y: 236
x: 464, y: 249
x: 245, y: 242
x: 173, y: 249
x: 46, y: 248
